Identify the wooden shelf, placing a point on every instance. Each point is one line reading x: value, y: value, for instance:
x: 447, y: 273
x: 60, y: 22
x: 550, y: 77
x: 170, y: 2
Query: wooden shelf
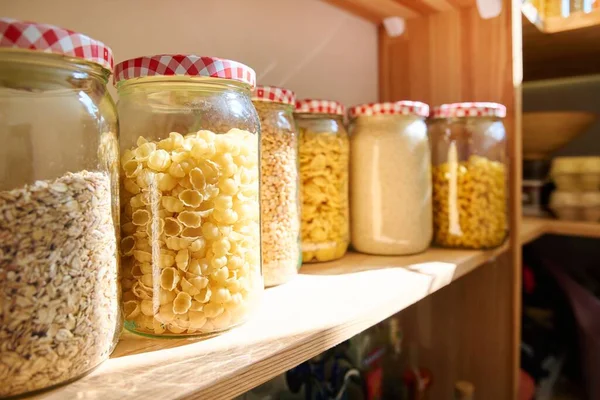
x: 325, y: 305
x: 377, y: 10
x: 532, y: 228
x: 561, y: 47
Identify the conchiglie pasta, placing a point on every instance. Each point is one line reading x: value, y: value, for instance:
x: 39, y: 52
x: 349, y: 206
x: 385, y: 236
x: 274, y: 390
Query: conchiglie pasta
x: 184, y: 197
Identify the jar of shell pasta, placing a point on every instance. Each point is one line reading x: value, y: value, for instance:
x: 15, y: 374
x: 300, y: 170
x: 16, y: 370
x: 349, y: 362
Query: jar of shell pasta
x: 279, y: 184
x: 323, y: 156
x: 468, y: 142
x: 59, y: 295
x: 390, y: 178
x: 190, y: 208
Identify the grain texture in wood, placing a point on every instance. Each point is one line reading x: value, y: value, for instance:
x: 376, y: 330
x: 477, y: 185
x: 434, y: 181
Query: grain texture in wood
x: 325, y: 305
x: 456, y: 56
x: 461, y: 328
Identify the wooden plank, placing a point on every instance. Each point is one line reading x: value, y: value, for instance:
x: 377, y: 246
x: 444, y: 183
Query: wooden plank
x: 576, y: 20
x: 572, y: 228
x: 325, y: 305
x: 560, y: 55
x: 449, y: 57
x: 463, y: 326
x: 379, y: 8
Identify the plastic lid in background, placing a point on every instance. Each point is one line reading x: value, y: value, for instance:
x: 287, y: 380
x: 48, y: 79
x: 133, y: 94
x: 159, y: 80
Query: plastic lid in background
x: 404, y: 107
x: 274, y: 94
x: 311, y: 106
x: 457, y: 110
x: 565, y: 165
x: 560, y: 198
x: 590, y: 164
x: 53, y: 39
x: 590, y: 199
x: 184, y: 65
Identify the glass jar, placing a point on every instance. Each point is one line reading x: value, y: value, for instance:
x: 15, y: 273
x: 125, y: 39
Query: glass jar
x: 390, y: 178
x: 323, y: 155
x: 280, y: 233
x: 468, y: 144
x: 59, y: 294
x: 190, y: 217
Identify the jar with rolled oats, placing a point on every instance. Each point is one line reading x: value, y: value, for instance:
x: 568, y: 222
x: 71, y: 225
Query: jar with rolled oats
x: 190, y: 206
x: 280, y: 208
x: 59, y: 294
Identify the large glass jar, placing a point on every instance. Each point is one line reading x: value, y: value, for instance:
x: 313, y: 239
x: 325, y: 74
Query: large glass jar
x: 390, y: 178
x: 59, y: 295
x: 280, y: 233
x: 190, y: 204
x: 468, y: 144
x: 323, y: 155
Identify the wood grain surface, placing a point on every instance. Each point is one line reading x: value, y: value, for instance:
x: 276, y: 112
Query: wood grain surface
x: 325, y: 305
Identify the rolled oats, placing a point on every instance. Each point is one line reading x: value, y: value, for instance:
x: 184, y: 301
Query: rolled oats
x: 59, y: 296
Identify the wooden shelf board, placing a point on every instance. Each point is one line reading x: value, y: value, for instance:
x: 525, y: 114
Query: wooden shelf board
x: 325, y: 305
x: 532, y: 228
x: 560, y: 50
x: 377, y: 10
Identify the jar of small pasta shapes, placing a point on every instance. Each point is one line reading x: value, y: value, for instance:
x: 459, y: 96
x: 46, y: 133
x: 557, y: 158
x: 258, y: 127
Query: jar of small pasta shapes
x: 468, y: 142
x: 324, y: 157
x: 190, y: 194
x: 280, y: 222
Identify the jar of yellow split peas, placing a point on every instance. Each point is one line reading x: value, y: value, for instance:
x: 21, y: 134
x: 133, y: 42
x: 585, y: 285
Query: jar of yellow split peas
x: 468, y: 143
x: 323, y: 157
x: 190, y: 207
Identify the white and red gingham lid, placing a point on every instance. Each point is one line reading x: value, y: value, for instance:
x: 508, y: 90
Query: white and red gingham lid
x: 274, y: 94
x: 404, y: 107
x: 469, y: 110
x: 185, y: 64
x: 53, y: 39
x: 320, y: 107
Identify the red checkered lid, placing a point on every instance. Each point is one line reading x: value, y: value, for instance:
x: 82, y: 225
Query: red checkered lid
x: 469, y: 110
x: 274, y: 94
x: 185, y: 64
x: 404, y: 107
x: 52, y: 39
x: 320, y: 107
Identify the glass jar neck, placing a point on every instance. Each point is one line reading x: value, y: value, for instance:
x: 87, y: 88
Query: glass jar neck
x: 271, y: 106
x: 37, y: 71
x: 385, y: 119
x: 181, y: 83
x: 317, y: 116
x: 465, y: 120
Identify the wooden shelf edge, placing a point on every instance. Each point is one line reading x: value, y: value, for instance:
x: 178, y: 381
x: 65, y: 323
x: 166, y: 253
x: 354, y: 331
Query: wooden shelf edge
x: 550, y: 25
x: 532, y: 228
x: 325, y: 305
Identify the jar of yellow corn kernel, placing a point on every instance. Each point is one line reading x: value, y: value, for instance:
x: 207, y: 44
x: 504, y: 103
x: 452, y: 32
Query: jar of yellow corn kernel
x: 280, y: 223
x: 468, y: 143
x: 190, y: 208
x: 323, y: 158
